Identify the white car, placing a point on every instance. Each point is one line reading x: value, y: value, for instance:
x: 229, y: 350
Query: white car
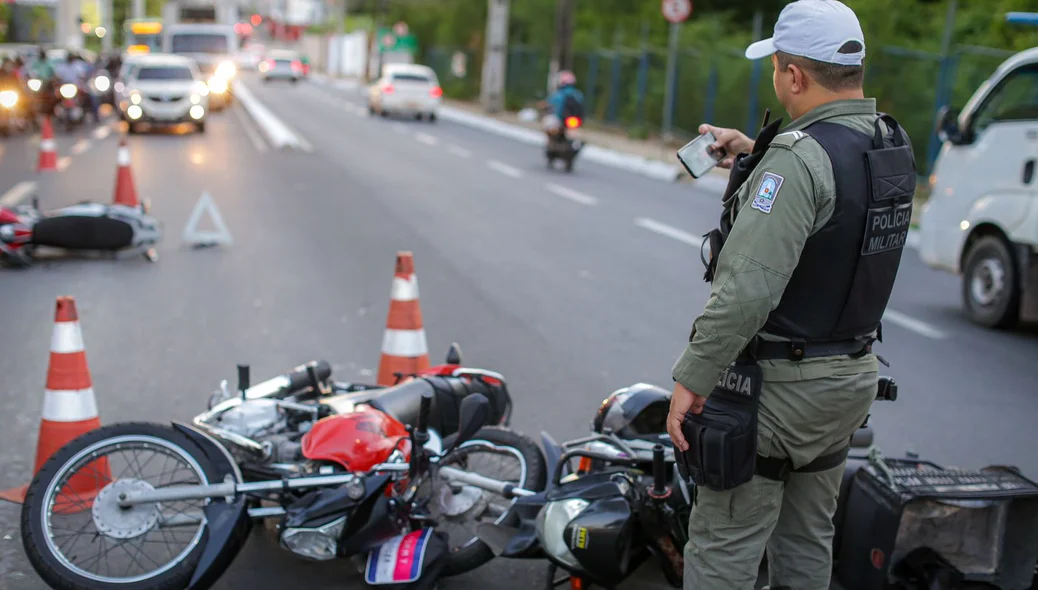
x: 281, y: 64
x: 165, y: 90
x: 406, y: 89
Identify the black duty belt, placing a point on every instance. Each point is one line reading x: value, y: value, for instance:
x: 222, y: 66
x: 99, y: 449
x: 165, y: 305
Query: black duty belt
x: 779, y: 469
x: 767, y: 350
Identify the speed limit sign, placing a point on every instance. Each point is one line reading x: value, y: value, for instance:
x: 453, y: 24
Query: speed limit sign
x: 677, y: 11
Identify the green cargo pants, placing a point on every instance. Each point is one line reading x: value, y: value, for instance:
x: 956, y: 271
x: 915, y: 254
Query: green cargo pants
x: 729, y: 531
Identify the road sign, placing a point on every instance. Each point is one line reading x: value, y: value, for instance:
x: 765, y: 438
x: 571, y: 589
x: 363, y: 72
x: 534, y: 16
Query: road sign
x: 676, y: 11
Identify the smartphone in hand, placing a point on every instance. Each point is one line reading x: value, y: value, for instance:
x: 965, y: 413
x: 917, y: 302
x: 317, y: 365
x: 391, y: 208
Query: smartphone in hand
x: 698, y: 156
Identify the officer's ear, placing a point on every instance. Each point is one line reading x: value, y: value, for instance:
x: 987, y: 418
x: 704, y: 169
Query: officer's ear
x: 799, y: 81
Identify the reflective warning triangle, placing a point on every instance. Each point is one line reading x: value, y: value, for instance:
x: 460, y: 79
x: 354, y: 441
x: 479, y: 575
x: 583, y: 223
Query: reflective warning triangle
x: 194, y: 236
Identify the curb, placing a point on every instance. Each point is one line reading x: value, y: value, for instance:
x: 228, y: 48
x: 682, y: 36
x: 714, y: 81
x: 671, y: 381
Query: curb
x: 277, y: 132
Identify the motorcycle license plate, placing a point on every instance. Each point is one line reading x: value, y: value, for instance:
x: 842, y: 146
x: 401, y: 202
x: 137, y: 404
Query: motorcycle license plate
x: 400, y: 560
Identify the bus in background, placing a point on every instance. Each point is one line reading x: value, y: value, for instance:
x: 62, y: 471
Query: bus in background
x: 214, y: 48
x: 142, y: 35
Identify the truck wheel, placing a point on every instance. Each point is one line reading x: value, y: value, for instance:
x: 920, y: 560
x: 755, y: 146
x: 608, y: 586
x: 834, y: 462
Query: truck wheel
x: 990, y: 284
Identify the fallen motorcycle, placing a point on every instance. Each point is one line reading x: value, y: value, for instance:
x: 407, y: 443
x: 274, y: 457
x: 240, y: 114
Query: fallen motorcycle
x: 901, y: 524
x: 332, y: 462
x: 121, y: 230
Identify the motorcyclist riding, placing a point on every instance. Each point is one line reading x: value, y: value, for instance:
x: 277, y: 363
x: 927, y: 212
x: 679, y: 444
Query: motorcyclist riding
x: 566, y: 96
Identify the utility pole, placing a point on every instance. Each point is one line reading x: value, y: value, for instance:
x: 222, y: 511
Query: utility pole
x: 492, y: 89
x: 105, y: 9
x: 139, y: 10
x: 562, y: 52
x: 67, y: 31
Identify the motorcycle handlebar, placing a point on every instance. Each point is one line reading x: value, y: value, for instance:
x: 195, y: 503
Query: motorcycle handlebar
x: 422, y: 424
x: 299, y: 378
x: 886, y: 389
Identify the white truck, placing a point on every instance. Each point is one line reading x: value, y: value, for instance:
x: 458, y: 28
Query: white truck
x: 981, y: 220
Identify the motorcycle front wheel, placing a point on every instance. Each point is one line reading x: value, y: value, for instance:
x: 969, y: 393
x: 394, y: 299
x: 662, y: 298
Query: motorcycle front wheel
x: 495, y: 452
x: 76, y: 535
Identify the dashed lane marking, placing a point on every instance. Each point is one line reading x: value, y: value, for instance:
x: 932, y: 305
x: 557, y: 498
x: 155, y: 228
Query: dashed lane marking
x: 79, y: 147
x: 426, y: 139
x: 459, y: 151
x: 909, y: 323
x: 17, y: 193
x: 572, y: 195
x: 504, y: 169
x: 64, y: 162
x: 669, y: 231
x: 101, y: 132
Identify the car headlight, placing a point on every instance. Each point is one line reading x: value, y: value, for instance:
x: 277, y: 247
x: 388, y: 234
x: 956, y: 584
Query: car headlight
x: 551, y: 526
x: 196, y: 112
x: 226, y: 70
x: 8, y: 98
x: 135, y: 98
x: 134, y: 112
x: 35, y: 84
x: 201, y: 89
x: 102, y: 83
x: 217, y: 85
x: 319, y: 543
x: 68, y: 90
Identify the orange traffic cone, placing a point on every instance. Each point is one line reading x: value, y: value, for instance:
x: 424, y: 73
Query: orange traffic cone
x: 48, y: 150
x: 69, y: 410
x: 125, y: 193
x: 404, y: 349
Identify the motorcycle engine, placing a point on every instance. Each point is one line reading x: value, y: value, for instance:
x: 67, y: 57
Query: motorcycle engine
x: 253, y: 419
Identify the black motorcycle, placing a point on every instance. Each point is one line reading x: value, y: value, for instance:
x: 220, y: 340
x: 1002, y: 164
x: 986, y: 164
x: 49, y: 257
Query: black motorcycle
x: 901, y: 524
x: 563, y: 140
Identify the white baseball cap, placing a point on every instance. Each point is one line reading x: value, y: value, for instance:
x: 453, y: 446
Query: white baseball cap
x: 823, y: 30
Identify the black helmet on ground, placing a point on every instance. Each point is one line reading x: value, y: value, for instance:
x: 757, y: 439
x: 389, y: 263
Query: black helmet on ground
x: 635, y: 411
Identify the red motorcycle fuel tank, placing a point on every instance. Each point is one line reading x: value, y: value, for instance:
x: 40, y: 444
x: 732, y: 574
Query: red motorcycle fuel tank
x: 357, y: 441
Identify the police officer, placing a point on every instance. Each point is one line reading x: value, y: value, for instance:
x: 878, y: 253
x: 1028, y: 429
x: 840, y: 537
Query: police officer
x: 808, y: 247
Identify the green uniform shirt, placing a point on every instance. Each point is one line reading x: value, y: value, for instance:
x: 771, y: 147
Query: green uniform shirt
x: 762, y: 251
x: 42, y: 69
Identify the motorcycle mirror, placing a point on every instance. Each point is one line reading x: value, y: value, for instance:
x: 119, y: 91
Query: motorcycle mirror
x: 454, y: 354
x: 475, y: 410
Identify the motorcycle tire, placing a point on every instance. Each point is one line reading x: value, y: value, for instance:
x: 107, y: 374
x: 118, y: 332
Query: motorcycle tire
x: 476, y: 553
x: 56, y: 570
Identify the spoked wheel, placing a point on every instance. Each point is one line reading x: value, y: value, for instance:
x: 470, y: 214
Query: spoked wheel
x: 497, y: 453
x: 78, y: 537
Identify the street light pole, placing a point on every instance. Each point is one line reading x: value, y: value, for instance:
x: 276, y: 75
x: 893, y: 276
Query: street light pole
x: 562, y: 52
x: 492, y: 86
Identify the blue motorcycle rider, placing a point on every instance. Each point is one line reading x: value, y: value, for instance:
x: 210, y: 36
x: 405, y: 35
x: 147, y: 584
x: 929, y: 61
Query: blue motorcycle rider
x: 566, y: 94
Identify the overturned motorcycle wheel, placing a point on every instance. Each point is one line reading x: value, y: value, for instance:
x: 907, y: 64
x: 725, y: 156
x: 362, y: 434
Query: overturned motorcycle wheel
x: 467, y: 506
x: 76, y: 535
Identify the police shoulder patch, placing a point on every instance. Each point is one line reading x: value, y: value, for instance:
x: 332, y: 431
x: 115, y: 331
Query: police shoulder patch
x: 767, y: 191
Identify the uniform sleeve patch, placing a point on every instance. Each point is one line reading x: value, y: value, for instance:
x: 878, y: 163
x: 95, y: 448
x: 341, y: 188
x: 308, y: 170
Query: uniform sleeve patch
x: 766, y: 193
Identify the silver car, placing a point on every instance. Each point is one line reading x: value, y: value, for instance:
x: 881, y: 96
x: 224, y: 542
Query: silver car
x: 281, y: 65
x: 165, y: 90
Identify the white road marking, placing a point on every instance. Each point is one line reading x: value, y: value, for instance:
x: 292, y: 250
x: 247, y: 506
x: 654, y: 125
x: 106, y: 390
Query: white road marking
x: 17, y: 193
x: 575, y: 196
x: 671, y: 232
x: 250, y: 131
x: 64, y: 162
x: 101, y: 132
x: 910, y: 323
x: 79, y: 147
x: 504, y: 169
x: 426, y: 139
x: 459, y: 151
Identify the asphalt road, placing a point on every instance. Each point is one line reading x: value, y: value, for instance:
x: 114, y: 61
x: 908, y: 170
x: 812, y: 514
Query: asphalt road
x: 570, y: 285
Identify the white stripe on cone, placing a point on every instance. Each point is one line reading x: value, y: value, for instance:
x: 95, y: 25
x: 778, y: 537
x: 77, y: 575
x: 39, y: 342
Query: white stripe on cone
x: 69, y: 406
x: 404, y: 289
x: 124, y: 157
x: 66, y: 338
x: 47, y: 145
x: 407, y: 343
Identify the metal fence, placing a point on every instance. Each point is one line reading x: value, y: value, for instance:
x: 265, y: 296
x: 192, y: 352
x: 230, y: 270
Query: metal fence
x: 624, y: 86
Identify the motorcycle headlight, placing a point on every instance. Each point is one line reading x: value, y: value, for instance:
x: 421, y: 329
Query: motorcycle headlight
x: 8, y: 98
x: 135, y: 98
x: 319, y: 543
x: 226, y: 70
x: 551, y: 526
x: 68, y: 90
x: 35, y: 85
x: 102, y: 83
x: 217, y: 85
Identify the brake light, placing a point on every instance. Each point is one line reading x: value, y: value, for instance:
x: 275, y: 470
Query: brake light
x: 387, y: 89
x: 573, y: 122
x: 297, y: 66
x: 436, y: 92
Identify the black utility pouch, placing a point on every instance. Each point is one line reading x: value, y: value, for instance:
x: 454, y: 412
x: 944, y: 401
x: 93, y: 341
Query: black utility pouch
x: 722, y: 440
x: 892, y: 179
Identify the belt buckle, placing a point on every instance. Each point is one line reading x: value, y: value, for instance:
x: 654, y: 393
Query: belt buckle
x: 797, y: 350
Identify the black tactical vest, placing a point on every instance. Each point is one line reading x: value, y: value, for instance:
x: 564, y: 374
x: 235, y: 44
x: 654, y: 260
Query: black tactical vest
x: 841, y: 285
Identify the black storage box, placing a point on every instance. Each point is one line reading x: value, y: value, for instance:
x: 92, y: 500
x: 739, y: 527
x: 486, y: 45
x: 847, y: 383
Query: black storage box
x: 983, y: 523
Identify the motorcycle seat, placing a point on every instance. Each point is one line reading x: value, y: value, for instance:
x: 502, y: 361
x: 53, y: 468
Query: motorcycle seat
x: 75, y: 232
x: 403, y: 401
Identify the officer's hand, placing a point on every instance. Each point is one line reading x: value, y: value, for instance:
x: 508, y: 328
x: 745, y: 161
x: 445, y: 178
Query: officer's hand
x: 682, y: 402
x: 733, y: 141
